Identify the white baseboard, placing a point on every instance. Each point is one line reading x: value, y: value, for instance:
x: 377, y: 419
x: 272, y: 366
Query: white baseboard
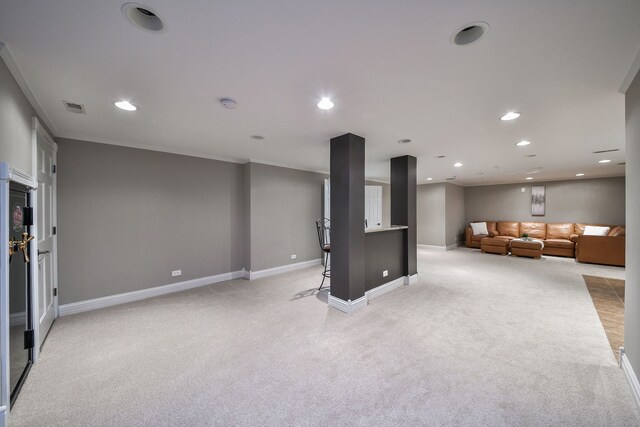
x: 108, y: 301
x: 348, y: 307
x: 410, y: 280
x: 444, y: 248
x: 383, y: 289
x: 259, y: 274
x: 448, y: 248
x: 632, y: 379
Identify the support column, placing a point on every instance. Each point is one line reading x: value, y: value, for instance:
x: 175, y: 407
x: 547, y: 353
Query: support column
x: 403, y: 209
x: 347, y: 223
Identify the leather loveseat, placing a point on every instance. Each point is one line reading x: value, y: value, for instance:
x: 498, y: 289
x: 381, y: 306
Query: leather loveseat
x: 560, y: 239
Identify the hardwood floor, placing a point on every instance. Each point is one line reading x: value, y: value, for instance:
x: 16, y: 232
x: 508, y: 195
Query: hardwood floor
x: 608, y: 298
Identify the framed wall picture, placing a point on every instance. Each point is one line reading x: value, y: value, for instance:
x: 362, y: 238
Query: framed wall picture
x: 538, y: 200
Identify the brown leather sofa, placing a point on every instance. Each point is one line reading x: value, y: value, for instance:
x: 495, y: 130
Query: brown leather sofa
x: 560, y: 239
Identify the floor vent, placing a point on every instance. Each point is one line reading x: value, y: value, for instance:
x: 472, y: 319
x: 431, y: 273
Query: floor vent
x: 606, y: 151
x: 74, y: 107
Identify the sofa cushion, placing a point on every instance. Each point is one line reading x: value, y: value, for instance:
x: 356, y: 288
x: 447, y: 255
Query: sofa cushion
x: 560, y: 231
x: 537, y: 230
x: 508, y: 228
x: 506, y: 238
x: 492, y: 227
x: 592, y: 230
x: 614, y: 231
x: 479, y: 228
x: 559, y: 243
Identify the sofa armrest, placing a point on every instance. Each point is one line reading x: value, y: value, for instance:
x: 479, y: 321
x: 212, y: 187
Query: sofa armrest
x: 574, y: 238
x: 607, y: 250
x: 467, y: 236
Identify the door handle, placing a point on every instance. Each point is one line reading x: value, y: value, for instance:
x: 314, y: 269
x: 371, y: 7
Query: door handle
x: 20, y: 245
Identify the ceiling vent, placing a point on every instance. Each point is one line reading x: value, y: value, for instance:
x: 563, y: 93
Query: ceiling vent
x: 622, y: 163
x: 606, y: 151
x: 451, y: 179
x: 74, y: 107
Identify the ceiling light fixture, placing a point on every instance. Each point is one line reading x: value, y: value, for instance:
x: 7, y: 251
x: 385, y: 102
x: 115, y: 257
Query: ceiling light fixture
x: 429, y: 179
x: 325, y: 104
x: 404, y: 141
x: 440, y: 157
x: 511, y: 115
x: 257, y: 137
x: 523, y: 143
x: 604, y: 161
x: 142, y: 17
x: 529, y: 178
x: 458, y: 164
x: 529, y: 155
x: 579, y: 174
x: 228, y: 103
x: 125, y: 105
x: 469, y: 33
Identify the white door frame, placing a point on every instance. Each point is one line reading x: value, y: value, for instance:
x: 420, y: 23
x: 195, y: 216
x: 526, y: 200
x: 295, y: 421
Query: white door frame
x: 40, y: 131
x: 7, y: 174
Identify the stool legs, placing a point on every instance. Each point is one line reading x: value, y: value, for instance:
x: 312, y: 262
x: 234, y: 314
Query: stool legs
x: 326, y: 273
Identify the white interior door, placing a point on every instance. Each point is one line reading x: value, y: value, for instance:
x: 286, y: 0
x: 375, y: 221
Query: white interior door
x: 46, y: 304
x: 373, y: 206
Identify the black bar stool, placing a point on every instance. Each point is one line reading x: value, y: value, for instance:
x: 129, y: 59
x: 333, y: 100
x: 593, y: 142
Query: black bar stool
x: 323, y: 226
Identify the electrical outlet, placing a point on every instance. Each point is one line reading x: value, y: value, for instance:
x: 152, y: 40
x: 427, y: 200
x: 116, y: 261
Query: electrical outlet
x: 294, y: 256
x: 175, y: 273
x: 385, y: 273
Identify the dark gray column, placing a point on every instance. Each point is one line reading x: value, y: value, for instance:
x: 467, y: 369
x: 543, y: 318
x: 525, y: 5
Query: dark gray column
x: 347, y: 217
x: 403, y: 206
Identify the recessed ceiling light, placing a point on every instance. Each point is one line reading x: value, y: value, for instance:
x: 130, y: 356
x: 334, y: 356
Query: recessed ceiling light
x: 604, y: 161
x: 325, y: 104
x: 228, y: 103
x: 404, y: 141
x: 529, y: 155
x: 529, y: 178
x: 579, y: 174
x: 458, y: 164
x: 523, y: 143
x: 142, y: 17
x: 511, y: 115
x: 429, y: 179
x: 125, y: 105
x: 257, y: 137
x: 469, y: 33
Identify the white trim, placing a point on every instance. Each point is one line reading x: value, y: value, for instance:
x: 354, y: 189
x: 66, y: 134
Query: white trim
x: 348, y: 307
x: 17, y: 75
x: 410, y: 280
x: 3, y: 416
x: 8, y: 173
x: 5, y: 392
x: 444, y: 248
x: 111, y: 300
x: 632, y: 379
x: 253, y: 275
x: 384, y: 289
x: 631, y: 74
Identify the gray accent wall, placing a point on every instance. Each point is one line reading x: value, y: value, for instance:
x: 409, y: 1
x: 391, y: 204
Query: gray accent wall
x: 632, y: 287
x: 284, y: 205
x: 128, y: 217
x: 599, y: 200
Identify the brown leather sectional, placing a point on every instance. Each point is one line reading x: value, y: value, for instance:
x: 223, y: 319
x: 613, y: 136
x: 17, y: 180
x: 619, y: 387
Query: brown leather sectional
x: 560, y: 239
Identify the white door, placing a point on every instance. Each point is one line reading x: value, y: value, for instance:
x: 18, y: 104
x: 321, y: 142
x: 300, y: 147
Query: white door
x: 373, y: 206
x: 46, y: 305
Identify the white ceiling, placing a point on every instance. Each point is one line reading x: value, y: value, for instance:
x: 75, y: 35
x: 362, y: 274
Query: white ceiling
x: 388, y: 65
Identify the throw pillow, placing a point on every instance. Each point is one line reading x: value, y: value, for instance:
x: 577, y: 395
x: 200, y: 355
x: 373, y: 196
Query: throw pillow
x: 592, y: 230
x: 479, y: 228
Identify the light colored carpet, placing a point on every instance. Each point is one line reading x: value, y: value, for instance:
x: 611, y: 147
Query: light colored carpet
x: 479, y: 340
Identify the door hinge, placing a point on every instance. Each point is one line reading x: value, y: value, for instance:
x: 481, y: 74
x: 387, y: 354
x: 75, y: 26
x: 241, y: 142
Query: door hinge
x: 54, y: 169
x: 55, y: 230
x: 29, y: 339
x: 55, y: 292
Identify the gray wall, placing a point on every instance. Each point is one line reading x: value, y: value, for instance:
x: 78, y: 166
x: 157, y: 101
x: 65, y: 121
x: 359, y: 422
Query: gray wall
x: 15, y: 123
x: 284, y: 206
x: 632, y: 288
x: 431, y: 214
x: 454, y: 214
x: 128, y: 217
x: 590, y: 201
